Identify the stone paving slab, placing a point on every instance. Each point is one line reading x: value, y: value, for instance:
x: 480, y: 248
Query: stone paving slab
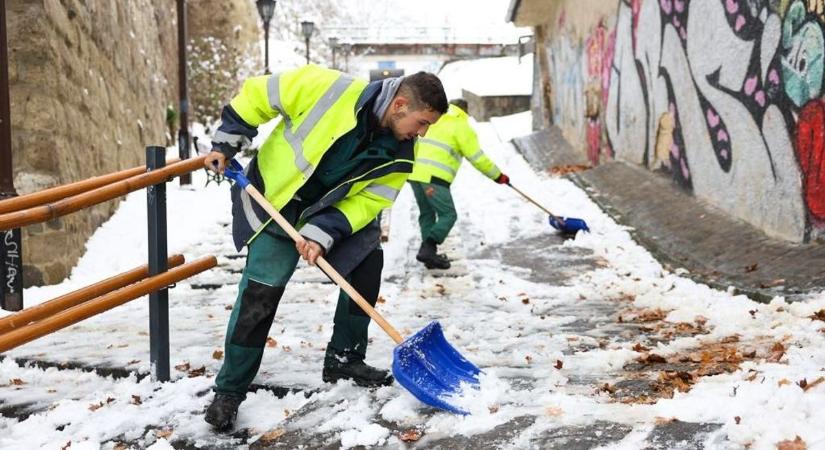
x: 683, y: 231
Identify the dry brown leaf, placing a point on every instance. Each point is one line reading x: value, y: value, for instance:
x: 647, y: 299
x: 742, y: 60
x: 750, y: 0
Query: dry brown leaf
x: 271, y: 436
x: 651, y: 358
x: 819, y: 315
x: 381, y: 299
x: 182, y: 367
x: 410, y: 435
x: 640, y: 348
x: 751, y: 375
x: 730, y: 339
x: 529, y: 359
x: 565, y: 169
x: 773, y: 283
x: 197, y: 372
x: 271, y: 342
x: 16, y: 382
x: 120, y: 446
x: 525, y: 300
x: 493, y: 408
x: 813, y: 384
x: 796, y: 444
x: 664, y: 420
x: 559, y: 364
x: 651, y: 315
x: 783, y: 382
x: 553, y: 411
x: 163, y: 433
x: 286, y: 348
x: 217, y: 354
x: 777, y: 352
x: 136, y: 400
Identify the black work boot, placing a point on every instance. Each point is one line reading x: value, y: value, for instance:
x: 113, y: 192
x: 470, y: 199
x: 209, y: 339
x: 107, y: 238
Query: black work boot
x: 222, y: 412
x: 358, y: 371
x: 427, y: 254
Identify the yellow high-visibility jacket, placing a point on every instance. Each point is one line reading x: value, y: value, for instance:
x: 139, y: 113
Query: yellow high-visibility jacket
x: 317, y: 106
x: 447, y: 142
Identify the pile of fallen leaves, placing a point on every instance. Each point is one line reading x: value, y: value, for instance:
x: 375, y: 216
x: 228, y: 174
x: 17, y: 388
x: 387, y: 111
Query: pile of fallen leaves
x: 560, y: 171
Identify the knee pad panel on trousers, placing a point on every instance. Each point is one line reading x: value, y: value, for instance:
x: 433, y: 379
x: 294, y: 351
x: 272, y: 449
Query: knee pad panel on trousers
x: 366, y: 279
x: 258, y: 306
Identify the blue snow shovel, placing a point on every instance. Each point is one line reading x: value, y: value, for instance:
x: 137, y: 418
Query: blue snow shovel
x: 425, y: 363
x: 567, y: 225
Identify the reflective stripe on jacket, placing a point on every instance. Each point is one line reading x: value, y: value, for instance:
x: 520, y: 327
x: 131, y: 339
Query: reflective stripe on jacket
x: 317, y: 106
x: 448, y: 141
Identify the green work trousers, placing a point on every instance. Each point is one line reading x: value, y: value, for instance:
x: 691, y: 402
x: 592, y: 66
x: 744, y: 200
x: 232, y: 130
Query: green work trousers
x: 270, y: 263
x: 436, y: 211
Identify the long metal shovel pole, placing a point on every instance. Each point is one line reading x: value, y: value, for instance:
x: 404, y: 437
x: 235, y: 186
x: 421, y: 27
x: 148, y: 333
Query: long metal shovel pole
x: 325, y: 266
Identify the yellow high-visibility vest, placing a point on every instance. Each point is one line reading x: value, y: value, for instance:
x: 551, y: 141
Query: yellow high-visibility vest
x: 440, y: 152
x: 317, y: 106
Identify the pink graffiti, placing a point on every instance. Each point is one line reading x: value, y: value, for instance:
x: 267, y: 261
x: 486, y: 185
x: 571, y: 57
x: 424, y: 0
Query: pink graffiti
x: 732, y: 6
x: 635, y: 8
x: 750, y: 85
x: 760, y: 98
x: 740, y: 22
x: 713, y: 118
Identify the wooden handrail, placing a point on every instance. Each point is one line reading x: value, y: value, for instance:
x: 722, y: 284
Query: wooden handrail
x: 69, y: 205
x: 67, y: 190
x: 96, y: 306
x: 55, y: 305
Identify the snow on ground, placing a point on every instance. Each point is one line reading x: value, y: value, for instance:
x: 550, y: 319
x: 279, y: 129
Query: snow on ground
x: 91, y: 411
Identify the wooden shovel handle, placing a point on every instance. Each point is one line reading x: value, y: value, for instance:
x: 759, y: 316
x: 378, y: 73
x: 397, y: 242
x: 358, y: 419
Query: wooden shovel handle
x: 535, y: 203
x: 325, y: 266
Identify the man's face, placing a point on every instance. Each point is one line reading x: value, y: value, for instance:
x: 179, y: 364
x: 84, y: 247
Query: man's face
x: 406, y: 123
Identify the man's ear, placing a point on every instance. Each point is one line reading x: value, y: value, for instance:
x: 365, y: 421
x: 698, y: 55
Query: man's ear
x: 400, y: 103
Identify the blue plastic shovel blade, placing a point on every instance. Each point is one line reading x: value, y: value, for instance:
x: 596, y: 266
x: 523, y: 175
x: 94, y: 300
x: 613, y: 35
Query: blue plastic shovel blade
x: 431, y: 369
x: 571, y: 225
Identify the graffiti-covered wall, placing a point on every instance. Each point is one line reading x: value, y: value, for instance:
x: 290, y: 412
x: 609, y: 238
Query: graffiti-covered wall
x: 725, y: 95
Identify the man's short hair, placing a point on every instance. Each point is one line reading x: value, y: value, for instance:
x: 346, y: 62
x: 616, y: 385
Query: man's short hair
x: 424, y: 90
x: 461, y: 103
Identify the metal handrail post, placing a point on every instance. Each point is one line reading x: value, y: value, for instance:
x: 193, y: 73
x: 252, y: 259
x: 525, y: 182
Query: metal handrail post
x: 158, y: 300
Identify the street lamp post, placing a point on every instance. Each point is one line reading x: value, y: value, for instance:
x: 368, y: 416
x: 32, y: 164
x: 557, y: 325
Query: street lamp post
x: 333, y: 45
x: 346, y: 48
x: 307, y: 28
x: 183, y: 93
x: 266, y: 8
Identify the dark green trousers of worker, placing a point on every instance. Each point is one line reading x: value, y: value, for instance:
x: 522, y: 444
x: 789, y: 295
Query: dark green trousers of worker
x: 436, y: 210
x: 270, y: 263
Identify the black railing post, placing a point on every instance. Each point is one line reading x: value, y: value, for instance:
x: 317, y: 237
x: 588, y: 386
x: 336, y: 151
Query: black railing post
x: 11, y: 266
x: 158, y: 301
